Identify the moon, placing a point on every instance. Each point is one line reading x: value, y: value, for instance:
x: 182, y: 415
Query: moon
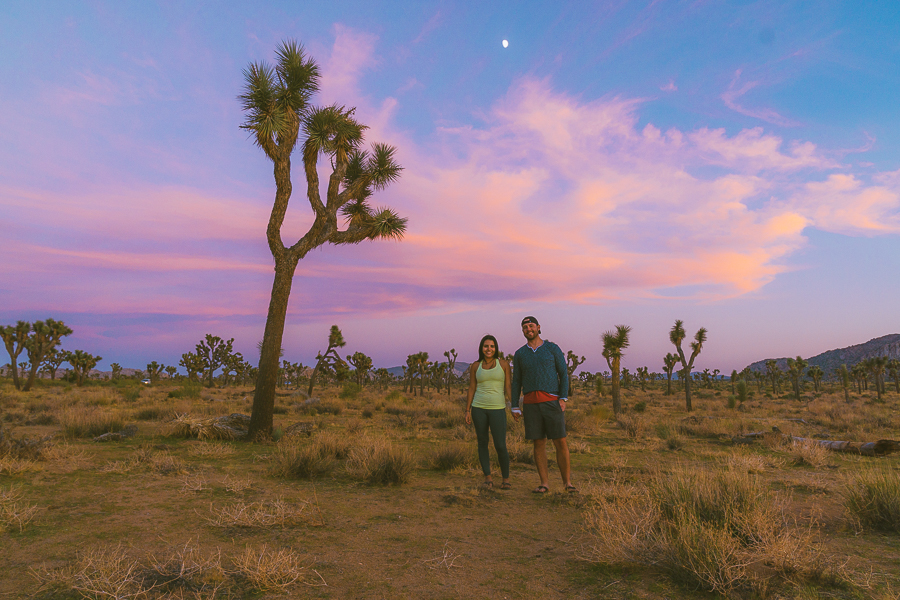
x: 505, y: 43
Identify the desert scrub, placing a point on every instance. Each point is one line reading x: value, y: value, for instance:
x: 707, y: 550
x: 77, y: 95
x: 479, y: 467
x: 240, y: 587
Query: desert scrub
x: 809, y: 453
x: 872, y: 499
x: 15, y: 513
x: 450, y: 456
x: 90, y: 422
x: 300, y: 461
x: 703, y: 528
x: 379, y: 462
x: 265, y: 514
x: 633, y: 426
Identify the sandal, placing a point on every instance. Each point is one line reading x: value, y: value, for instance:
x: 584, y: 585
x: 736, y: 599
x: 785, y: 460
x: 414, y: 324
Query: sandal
x: 505, y: 486
x: 541, y: 489
x: 571, y: 489
x: 488, y: 484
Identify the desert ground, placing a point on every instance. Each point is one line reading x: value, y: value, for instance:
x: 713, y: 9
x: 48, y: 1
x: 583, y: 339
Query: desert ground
x: 377, y: 494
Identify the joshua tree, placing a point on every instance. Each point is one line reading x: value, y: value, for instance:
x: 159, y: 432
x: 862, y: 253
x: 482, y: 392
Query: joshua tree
x: 154, y: 370
x: 82, y: 363
x: 170, y: 371
x: 844, y: 377
x: 362, y: 364
x: 45, y: 336
x: 327, y: 360
x: 15, y: 339
x: 572, y: 362
x: 193, y: 364
x: 213, y: 352
x: 116, y: 369
x: 642, y: 374
x: 734, y: 377
x: 893, y: 367
x: 669, y: 361
x: 53, y: 360
x: 773, y: 372
x: 795, y: 370
x: 613, y: 345
x: 676, y: 336
x: 815, y: 373
x: 278, y: 116
x: 876, y: 366
x: 451, y: 363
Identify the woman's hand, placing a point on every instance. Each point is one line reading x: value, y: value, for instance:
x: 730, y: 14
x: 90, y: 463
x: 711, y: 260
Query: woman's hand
x: 468, y: 416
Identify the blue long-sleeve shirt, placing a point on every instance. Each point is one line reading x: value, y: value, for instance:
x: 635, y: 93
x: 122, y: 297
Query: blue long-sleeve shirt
x: 541, y: 370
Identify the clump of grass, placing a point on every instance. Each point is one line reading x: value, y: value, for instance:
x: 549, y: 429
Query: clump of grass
x: 14, y: 512
x: 632, y: 425
x: 809, y: 453
x: 188, y: 390
x: 92, y: 422
x: 378, y: 462
x: 130, y: 394
x: 705, y: 529
x: 639, y: 407
x: 393, y: 395
x: 212, y: 449
x: 151, y: 413
x: 264, y: 514
x: 272, y: 570
x: 520, y: 451
x: 872, y: 498
x: 299, y: 461
x: 367, y: 413
x: 350, y: 391
x: 450, y: 456
x: 741, y: 390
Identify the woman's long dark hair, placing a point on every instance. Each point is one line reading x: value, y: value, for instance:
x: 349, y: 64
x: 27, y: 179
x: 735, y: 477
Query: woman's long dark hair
x: 481, y: 347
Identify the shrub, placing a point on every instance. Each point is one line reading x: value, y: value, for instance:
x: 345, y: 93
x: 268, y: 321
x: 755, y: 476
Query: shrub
x: 300, y: 462
x: 130, y: 394
x: 704, y: 528
x: 350, y: 391
x: 809, y: 453
x: 380, y: 462
x: 329, y: 408
x: 872, y: 497
x: 730, y: 402
x: 367, y: 413
x: 741, y: 391
x: 520, y: 452
x: 80, y: 423
x: 450, y: 456
x: 152, y: 413
x: 633, y: 426
x: 393, y: 395
x: 187, y: 390
x: 640, y: 407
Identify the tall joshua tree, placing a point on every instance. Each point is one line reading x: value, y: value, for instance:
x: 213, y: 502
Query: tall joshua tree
x: 795, y: 370
x: 676, y: 336
x: 614, y: 342
x: 276, y: 101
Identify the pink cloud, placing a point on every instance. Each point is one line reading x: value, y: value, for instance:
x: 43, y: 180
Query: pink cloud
x: 736, y: 90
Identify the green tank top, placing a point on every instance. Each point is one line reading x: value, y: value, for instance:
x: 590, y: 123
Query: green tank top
x: 489, y: 393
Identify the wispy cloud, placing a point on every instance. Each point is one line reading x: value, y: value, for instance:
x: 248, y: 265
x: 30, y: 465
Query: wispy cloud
x: 737, y: 89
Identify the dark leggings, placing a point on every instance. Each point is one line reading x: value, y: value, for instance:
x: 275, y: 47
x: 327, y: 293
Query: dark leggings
x: 493, y: 419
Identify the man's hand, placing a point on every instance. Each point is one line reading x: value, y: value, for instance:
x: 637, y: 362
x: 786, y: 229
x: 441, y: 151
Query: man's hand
x: 562, y: 405
x: 516, y: 413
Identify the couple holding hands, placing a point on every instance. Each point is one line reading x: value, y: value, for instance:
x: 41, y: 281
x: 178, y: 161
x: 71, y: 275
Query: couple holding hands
x: 539, y: 370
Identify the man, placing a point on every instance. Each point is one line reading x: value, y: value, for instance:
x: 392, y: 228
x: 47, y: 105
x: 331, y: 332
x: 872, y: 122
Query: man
x: 539, y: 369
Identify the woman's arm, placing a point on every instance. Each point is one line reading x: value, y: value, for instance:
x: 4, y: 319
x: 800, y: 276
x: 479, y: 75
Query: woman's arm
x: 473, y: 383
x: 507, y: 384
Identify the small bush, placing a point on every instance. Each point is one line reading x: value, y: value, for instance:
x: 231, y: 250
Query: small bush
x: 379, y: 462
x: 329, y: 408
x: 187, y: 390
x: 81, y: 423
x: 350, y: 391
x: 640, y: 407
x: 130, y: 394
x: 393, y: 395
x: 809, y: 453
x: 730, y: 402
x: 872, y: 497
x: 300, y: 462
x: 152, y: 413
x: 741, y: 389
x: 633, y: 426
x: 450, y: 456
x: 367, y: 413
x: 520, y: 451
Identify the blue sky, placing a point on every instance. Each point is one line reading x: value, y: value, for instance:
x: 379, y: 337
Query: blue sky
x: 732, y: 164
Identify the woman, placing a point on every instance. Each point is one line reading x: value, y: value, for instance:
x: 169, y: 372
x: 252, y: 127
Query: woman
x: 489, y: 389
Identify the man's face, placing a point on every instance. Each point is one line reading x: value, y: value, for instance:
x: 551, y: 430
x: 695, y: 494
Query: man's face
x: 530, y: 331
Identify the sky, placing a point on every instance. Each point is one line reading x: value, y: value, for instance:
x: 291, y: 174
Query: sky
x: 734, y: 164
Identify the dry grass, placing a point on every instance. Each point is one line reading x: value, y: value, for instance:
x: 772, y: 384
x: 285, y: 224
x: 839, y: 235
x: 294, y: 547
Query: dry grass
x: 450, y: 456
x: 809, y: 453
x: 379, y: 462
x: 90, y: 422
x: 872, y: 499
x: 211, y: 450
x: 233, y: 484
x: 633, y: 425
x: 16, y: 466
x: 14, y: 512
x: 704, y: 529
x: 274, y: 570
x: 265, y: 514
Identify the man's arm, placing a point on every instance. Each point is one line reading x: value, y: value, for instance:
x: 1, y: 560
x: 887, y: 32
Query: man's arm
x: 516, y: 381
x: 562, y: 372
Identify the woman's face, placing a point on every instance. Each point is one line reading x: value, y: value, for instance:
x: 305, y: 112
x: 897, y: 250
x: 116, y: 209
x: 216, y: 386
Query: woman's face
x: 489, y: 349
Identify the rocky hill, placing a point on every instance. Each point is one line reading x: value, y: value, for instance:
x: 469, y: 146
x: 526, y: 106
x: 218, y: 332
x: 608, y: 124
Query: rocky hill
x: 886, y: 345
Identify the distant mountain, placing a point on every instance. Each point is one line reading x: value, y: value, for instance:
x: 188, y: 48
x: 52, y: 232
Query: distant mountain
x: 459, y: 368
x: 886, y: 345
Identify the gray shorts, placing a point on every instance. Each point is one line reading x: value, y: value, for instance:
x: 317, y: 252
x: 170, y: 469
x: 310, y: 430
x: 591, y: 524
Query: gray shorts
x: 544, y: 420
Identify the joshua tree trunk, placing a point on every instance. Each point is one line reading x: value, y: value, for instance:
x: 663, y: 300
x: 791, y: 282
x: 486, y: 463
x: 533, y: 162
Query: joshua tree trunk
x: 687, y: 392
x: 267, y: 379
x: 617, y: 402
